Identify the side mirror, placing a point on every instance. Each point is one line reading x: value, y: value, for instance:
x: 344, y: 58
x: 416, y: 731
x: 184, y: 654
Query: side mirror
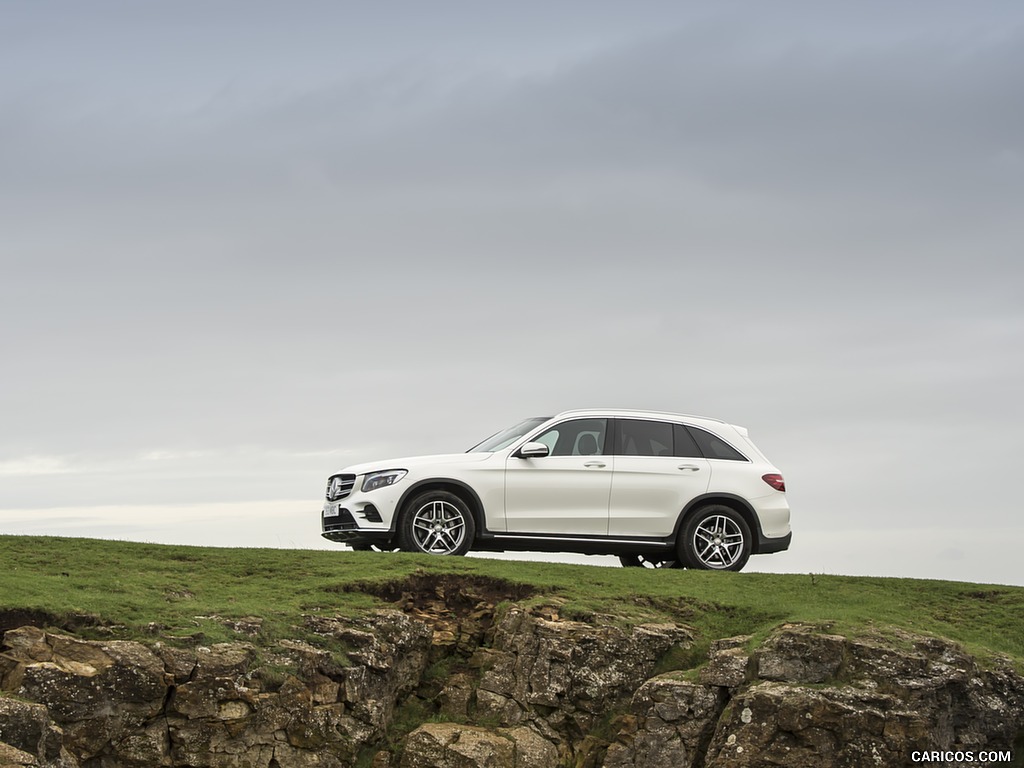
x: 533, y: 451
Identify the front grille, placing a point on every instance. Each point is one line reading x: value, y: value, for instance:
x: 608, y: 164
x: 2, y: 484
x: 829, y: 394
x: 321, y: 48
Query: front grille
x: 339, y: 486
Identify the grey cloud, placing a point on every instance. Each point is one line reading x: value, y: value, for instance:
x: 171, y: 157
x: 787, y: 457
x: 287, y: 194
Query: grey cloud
x: 803, y: 220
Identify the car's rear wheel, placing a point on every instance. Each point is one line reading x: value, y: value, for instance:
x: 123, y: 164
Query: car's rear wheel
x: 647, y: 561
x: 437, y: 523
x: 715, y: 538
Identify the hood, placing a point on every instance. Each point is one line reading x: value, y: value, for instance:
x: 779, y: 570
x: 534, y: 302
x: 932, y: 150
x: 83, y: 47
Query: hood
x: 409, y: 462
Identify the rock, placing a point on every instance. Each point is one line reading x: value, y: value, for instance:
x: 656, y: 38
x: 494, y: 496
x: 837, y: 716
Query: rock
x: 390, y: 653
x: 531, y: 749
x: 447, y: 745
x: 674, y: 722
x: 456, y: 696
x: 99, y: 692
x: 147, y: 747
x: 178, y: 663
x: 27, y: 644
x: 10, y: 757
x: 800, y: 655
x: 775, y: 724
x: 28, y: 736
x: 932, y: 697
x: 963, y: 704
x: 728, y: 663
x: 566, y: 672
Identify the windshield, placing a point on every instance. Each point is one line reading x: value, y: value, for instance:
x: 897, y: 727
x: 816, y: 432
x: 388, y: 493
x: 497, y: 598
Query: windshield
x: 508, y: 436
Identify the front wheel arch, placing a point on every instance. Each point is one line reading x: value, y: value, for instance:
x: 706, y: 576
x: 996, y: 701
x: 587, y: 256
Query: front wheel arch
x: 466, y: 494
x: 436, y: 522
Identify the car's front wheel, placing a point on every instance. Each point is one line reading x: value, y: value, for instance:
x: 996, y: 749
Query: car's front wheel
x: 437, y: 523
x: 715, y: 538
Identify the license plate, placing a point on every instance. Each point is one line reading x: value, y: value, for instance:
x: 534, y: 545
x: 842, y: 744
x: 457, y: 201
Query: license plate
x: 330, y: 510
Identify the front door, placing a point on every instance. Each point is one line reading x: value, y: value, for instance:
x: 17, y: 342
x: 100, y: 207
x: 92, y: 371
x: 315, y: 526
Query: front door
x: 567, y: 491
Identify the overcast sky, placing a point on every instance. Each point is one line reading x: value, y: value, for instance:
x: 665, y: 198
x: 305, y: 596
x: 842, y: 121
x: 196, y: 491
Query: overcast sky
x: 244, y: 244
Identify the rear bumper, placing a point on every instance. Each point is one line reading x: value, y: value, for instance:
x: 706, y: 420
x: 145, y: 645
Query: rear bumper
x: 767, y: 546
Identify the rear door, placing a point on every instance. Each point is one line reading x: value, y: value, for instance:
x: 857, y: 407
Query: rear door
x: 658, y: 470
x: 567, y: 491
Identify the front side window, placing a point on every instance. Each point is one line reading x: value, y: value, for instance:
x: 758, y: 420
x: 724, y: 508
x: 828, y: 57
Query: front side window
x: 579, y: 437
x: 637, y: 437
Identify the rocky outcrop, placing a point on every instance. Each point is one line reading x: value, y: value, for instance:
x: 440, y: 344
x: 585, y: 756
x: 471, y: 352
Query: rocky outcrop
x: 450, y: 681
x: 884, y: 700
x: 121, y: 703
x: 563, y: 676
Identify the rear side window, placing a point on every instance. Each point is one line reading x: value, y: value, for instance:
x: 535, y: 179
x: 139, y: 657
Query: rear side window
x: 714, y: 447
x: 685, y: 445
x: 636, y: 437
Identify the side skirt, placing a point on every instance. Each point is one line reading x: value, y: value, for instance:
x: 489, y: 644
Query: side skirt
x: 583, y: 545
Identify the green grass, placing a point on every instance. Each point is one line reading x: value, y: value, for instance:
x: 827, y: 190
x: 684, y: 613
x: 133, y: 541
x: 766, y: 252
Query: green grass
x: 188, y: 591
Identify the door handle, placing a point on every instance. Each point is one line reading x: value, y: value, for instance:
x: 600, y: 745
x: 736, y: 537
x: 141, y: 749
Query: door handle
x: 691, y: 467
x: 597, y: 464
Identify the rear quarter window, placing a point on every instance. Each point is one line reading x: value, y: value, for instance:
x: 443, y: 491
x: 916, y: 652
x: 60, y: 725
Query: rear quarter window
x: 714, y: 447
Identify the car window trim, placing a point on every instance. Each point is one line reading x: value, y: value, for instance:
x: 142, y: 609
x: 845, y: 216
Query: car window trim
x: 616, y: 427
x: 743, y: 456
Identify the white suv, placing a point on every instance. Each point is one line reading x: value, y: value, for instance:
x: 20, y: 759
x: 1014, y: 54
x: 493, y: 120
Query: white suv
x: 656, y: 489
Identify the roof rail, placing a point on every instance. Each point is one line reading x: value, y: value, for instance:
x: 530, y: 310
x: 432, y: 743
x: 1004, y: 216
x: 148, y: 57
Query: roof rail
x: 638, y: 410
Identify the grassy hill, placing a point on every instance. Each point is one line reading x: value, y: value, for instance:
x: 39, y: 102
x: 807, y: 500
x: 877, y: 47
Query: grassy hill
x: 190, y: 594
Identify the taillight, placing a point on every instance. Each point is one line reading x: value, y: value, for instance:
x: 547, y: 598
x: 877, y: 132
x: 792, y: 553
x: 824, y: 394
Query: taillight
x: 775, y: 481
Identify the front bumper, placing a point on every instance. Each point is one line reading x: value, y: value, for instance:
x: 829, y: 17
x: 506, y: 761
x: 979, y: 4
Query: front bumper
x: 344, y: 529
x: 358, y: 537
x: 347, y: 522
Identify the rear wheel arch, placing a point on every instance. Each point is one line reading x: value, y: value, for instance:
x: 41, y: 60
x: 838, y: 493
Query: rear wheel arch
x: 737, y: 504
x: 715, y: 537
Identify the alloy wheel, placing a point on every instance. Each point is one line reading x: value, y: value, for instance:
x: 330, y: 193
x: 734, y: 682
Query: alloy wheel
x: 438, y: 527
x: 718, y: 542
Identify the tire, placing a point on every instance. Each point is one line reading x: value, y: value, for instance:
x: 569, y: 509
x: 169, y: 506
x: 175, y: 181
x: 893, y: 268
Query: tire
x: 715, y: 538
x: 436, y: 523
x: 643, y: 561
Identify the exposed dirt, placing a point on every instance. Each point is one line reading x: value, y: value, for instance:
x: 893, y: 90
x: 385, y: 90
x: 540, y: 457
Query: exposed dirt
x: 459, y: 609
x: 459, y: 596
x: 21, y: 617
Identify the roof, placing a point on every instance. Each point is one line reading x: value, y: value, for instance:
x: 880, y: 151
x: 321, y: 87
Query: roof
x: 637, y: 413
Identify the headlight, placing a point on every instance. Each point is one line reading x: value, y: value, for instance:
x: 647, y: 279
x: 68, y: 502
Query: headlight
x: 376, y: 480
